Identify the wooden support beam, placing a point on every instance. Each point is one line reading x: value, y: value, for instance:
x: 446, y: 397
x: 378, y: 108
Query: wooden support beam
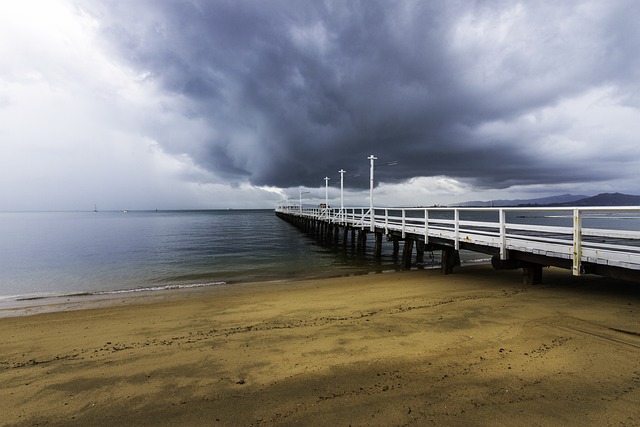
x: 420, y: 251
x: 396, y: 247
x: 361, y: 245
x: 532, y: 274
x: 450, y: 259
x: 377, y: 252
x: 406, y: 253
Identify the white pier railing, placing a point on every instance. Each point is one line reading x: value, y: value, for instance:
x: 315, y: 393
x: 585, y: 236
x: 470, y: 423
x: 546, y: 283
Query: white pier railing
x: 599, y: 235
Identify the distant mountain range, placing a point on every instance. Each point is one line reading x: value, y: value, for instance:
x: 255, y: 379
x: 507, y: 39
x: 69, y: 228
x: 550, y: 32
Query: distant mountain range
x: 603, y: 199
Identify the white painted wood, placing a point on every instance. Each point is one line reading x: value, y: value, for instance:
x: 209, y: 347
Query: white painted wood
x: 614, y: 246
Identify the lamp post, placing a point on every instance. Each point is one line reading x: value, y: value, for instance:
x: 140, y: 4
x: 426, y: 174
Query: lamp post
x: 371, y: 158
x: 326, y: 195
x: 342, y: 172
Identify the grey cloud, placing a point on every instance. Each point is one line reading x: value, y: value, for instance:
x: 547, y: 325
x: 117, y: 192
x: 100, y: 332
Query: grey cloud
x: 295, y: 90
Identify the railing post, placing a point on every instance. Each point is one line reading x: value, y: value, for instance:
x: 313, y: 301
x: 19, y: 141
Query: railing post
x: 386, y: 220
x: 372, y: 227
x: 426, y: 226
x: 456, y: 220
x: 403, y: 223
x: 503, y: 234
x: 577, y: 242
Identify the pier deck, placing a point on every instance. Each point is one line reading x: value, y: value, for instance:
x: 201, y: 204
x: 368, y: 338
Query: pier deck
x: 586, y: 240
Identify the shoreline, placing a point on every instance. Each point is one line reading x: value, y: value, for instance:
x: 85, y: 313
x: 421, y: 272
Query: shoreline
x: 30, y: 304
x: 411, y: 347
x: 27, y: 305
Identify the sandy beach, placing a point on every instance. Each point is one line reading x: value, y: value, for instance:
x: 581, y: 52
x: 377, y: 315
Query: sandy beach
x: 407, y: 348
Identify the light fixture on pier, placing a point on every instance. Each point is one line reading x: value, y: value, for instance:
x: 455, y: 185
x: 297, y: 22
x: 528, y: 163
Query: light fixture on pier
x: 372, y: 159
x: 342, y: 172
x: 326, y: 194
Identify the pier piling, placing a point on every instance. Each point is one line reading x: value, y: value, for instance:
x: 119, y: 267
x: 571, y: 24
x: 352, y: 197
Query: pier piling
x: 450, y: 259
x: 396, y: 247
x: 361, y: 245
x: 377, y: 252
x: 532, y: 274
x: 406, y: 253
x: 420, y: 251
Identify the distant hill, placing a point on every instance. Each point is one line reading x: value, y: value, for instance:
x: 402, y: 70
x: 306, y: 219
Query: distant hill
x: 603, y: 199
x: 556, y: 200
x: 608, y: 199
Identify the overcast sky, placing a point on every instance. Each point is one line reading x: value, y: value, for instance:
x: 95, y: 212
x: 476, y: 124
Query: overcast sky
x: 212, y: 104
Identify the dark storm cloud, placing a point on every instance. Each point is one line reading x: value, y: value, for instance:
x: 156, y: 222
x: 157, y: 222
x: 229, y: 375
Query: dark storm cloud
x: 293, y: 90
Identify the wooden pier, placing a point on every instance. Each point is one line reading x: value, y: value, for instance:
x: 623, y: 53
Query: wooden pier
x: 586, y: 240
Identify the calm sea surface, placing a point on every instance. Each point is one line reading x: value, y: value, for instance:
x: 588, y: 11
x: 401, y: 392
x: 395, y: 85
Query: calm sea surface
x: 64, y: 253
x: 49, y: 254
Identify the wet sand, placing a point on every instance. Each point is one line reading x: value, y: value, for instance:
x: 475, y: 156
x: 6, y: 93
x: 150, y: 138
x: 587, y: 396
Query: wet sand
x: 409, y: 348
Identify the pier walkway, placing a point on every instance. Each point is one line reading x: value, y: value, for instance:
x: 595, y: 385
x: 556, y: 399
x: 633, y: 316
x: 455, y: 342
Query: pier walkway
x: 587, y: 240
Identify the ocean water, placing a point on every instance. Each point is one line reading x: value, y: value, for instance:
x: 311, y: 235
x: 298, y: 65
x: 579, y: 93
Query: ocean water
x: 44, y: 255
x: 48, y: 254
